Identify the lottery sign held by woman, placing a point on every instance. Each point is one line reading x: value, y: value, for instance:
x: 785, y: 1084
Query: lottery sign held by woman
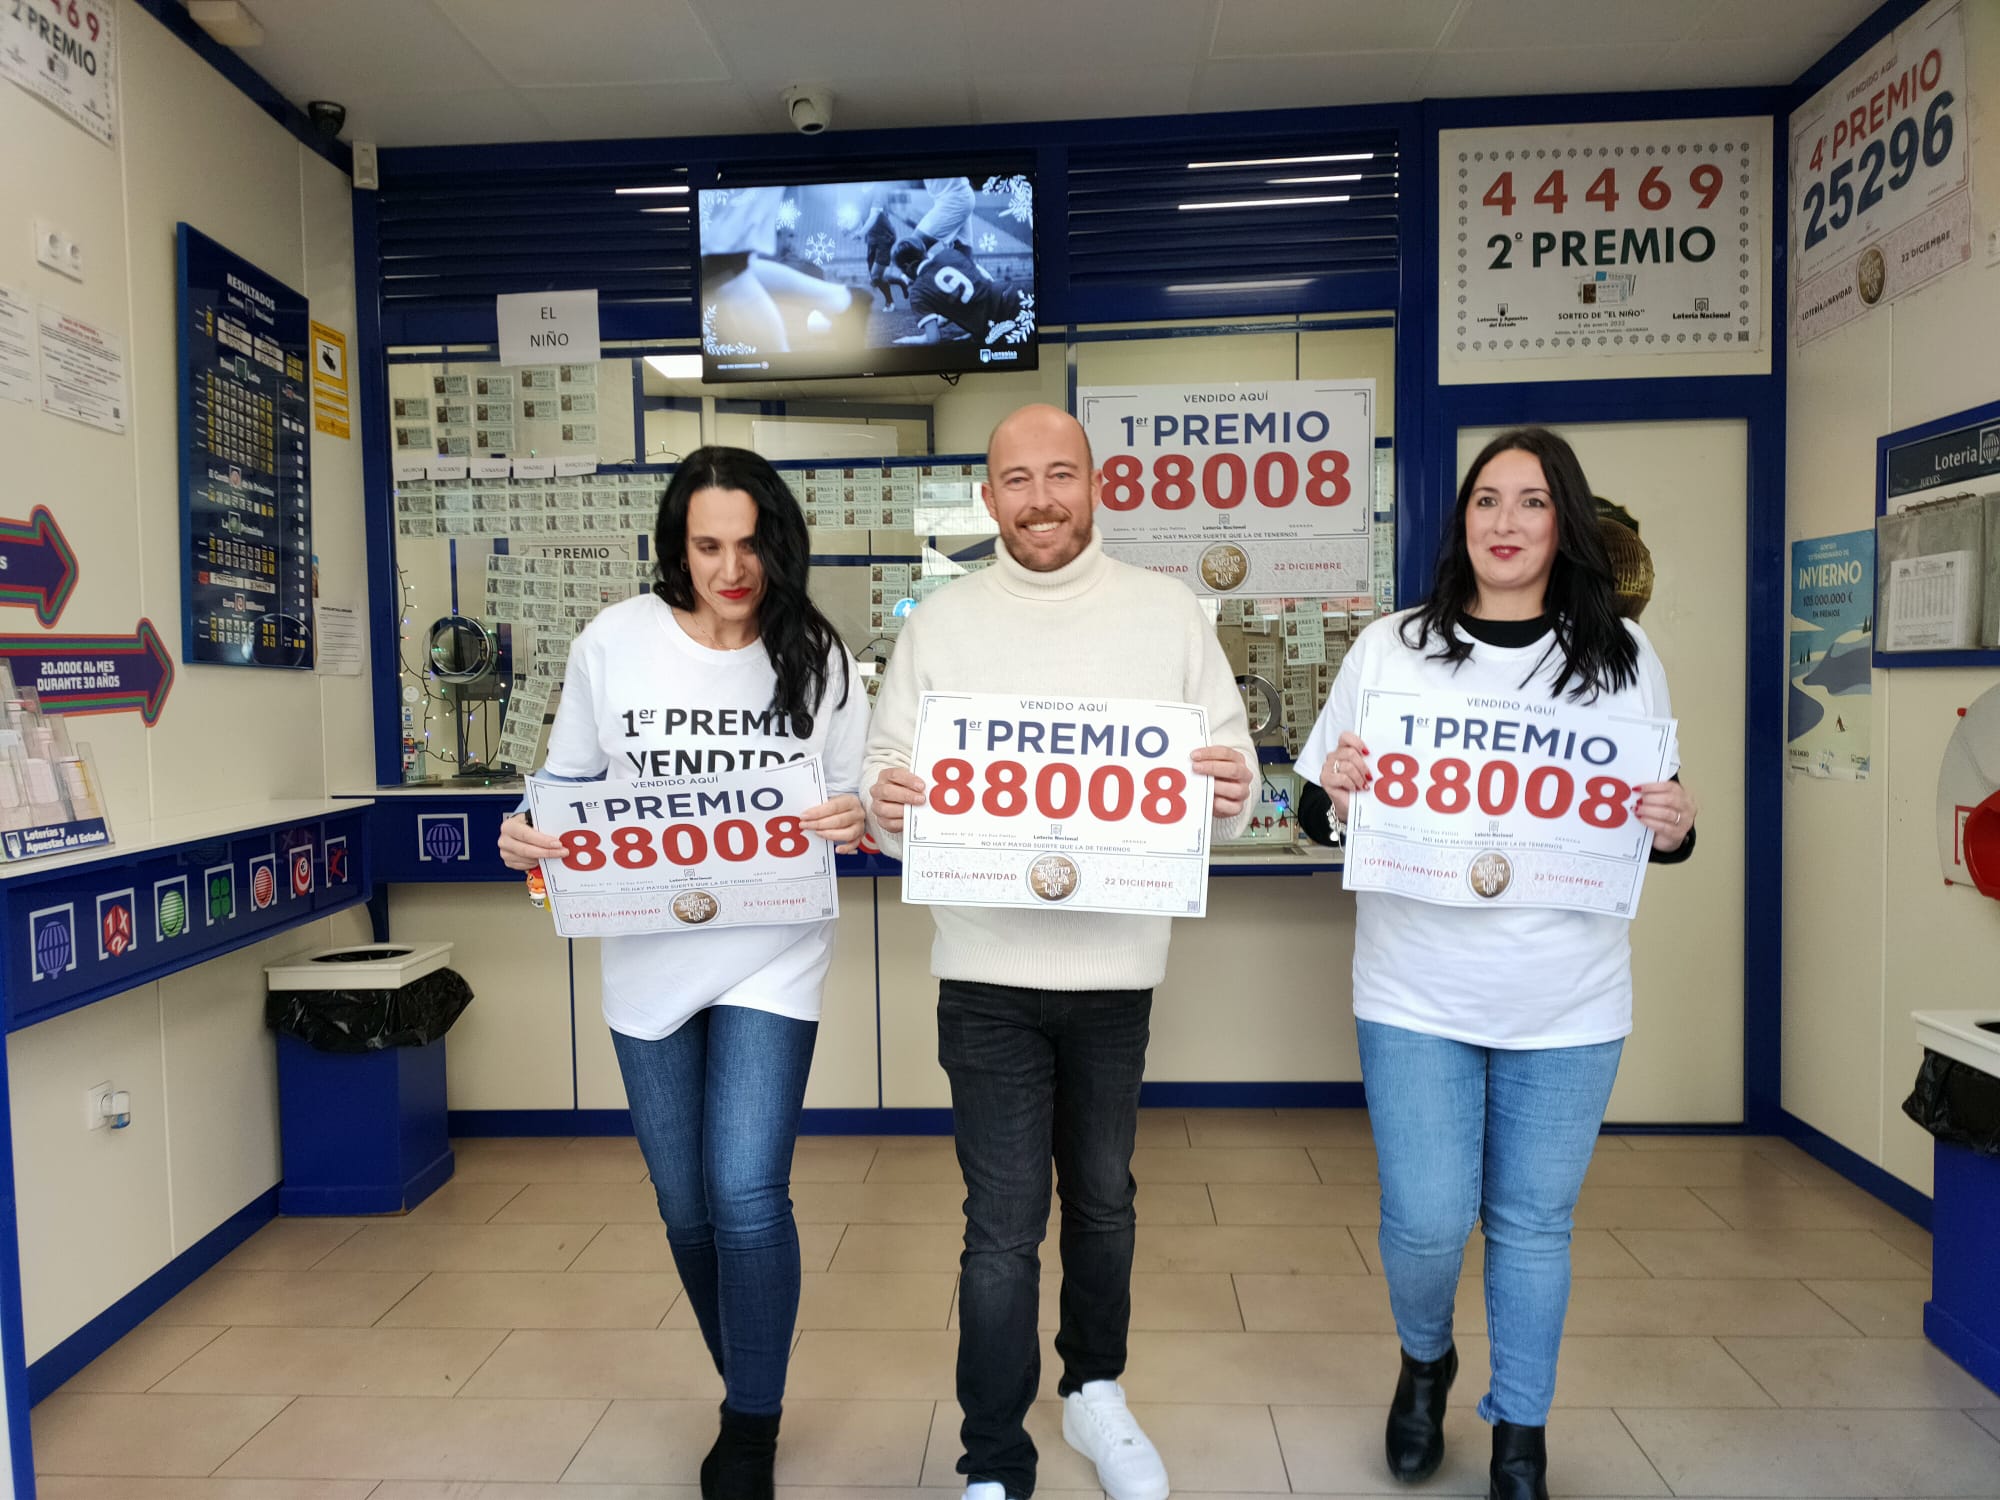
x: 1484, y: 800
x: 657, y: 855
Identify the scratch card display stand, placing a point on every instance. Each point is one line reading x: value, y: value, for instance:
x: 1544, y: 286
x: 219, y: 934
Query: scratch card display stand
x: 50, y: 797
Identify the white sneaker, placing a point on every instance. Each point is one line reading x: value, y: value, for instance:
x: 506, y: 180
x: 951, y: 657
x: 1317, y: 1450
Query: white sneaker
x: 986, y: 1489
x: 1098, y: 1425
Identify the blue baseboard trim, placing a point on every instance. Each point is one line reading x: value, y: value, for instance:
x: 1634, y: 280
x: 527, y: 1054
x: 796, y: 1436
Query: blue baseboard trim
x: 906, y: 1121
x: 884, y: 1121
x: 547, y: 1122
x: 367, y: 1198
x: 526, y: 1122
x: 1863, y: 1173
x: 1251, y: 1096
x: 1973, y: 1354
x: 49, y: 1372
x: 937, y: 1121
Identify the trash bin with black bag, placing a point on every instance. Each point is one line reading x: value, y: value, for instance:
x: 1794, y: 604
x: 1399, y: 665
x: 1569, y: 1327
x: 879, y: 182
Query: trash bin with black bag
x: 361, y: 1074
x: 1957, y: 1099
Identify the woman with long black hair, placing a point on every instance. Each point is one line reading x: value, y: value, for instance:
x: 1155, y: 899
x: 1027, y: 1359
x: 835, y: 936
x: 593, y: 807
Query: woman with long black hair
x: 727, y: 665
x: 1490, y: 1037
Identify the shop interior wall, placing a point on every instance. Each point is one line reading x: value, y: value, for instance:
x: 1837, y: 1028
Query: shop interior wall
x: 1871, y: 932
x: 537, y: 1041
x: 908, y: 1073
x: 100, y: 1211
x: 1281, y: 945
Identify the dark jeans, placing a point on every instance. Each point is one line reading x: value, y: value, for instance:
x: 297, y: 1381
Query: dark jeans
x: 716, y: 1109
x: 1035, y: 1075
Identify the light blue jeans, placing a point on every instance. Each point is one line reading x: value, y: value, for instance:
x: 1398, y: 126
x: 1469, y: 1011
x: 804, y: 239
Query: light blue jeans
x: 1464, y: 1132
x: 716, y: 1108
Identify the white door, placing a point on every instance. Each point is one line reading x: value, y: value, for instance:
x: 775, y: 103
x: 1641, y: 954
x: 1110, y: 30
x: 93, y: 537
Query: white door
x: 1687, y: 485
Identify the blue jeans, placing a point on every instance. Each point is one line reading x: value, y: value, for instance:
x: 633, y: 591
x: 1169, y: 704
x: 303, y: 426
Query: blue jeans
x: 1465, y: 1132
x: 1039, y: 1076
x: 716, y: 1109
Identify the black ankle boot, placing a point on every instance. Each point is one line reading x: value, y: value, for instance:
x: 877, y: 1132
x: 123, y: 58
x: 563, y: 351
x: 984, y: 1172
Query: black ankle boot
x: 1520, y: 1463
x: 1415, y: 1439
x: 740, y: 1465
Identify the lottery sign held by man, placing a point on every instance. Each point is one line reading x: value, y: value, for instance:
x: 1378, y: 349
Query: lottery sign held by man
x: 1066, y: 802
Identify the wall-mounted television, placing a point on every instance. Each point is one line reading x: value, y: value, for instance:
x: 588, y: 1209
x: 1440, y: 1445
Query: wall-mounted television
x: 900, y: 276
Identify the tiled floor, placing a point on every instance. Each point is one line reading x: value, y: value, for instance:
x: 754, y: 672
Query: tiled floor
x: 1744, y: 1324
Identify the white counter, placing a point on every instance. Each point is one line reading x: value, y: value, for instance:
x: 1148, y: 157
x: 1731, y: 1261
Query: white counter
x: 1957, y: 1034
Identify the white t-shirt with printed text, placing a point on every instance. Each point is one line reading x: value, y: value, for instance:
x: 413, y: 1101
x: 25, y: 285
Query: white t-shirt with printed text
x: 642, y: 699
x: 1511, y: 977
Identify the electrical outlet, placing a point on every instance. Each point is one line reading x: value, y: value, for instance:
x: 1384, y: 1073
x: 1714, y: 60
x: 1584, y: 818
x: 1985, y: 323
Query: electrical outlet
x: 94, y: 1098
x: 58, y: 250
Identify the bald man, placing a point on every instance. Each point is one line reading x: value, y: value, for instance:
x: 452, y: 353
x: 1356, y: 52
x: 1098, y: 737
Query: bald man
x: 1043, y: 1015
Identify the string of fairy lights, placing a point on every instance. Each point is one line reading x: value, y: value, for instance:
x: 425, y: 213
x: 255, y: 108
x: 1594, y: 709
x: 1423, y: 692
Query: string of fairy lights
x: 426, y: 682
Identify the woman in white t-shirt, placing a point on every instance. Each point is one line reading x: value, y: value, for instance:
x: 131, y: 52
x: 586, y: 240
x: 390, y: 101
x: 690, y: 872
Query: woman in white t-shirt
x: 725, y: 665
x: 1490, y: 1037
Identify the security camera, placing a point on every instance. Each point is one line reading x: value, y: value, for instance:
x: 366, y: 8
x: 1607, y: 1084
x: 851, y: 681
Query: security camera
x: 328, y: 118
x: 811, y: 109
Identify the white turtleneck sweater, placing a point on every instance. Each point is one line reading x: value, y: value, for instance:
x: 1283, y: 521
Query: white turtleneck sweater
x: 1094, y: 627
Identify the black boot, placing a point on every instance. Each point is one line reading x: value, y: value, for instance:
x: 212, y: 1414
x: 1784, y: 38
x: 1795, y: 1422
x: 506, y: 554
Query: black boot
x: 1520, y: 1463
x: 739, y: 1466
x: 1415, y: 1439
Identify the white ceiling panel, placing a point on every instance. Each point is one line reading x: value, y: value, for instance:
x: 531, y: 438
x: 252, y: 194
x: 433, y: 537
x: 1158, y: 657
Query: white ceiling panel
x: 1312, y: 81
x: 1539, y: 70
x: 531, y: 42
x: 614, y: 110
x: 825, y: 41
x: 314, y: 50
x: 1285, y: 28
x: 1104, y: 94
x: 1020, y: 36
x: 938, y: 98
x: 437, y: 72
x: 1780, y: 19
x: 1510, y: 25
x: 1724, y: 64
x: 436, y: 119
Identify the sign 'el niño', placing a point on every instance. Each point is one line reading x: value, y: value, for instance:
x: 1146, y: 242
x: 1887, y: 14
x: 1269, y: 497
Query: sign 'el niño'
x: 548, y: 327
x: 1256, y: 489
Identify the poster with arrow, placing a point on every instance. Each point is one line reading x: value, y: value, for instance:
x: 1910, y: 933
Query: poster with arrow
x: 37, y: 567
x: 94, y: 674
